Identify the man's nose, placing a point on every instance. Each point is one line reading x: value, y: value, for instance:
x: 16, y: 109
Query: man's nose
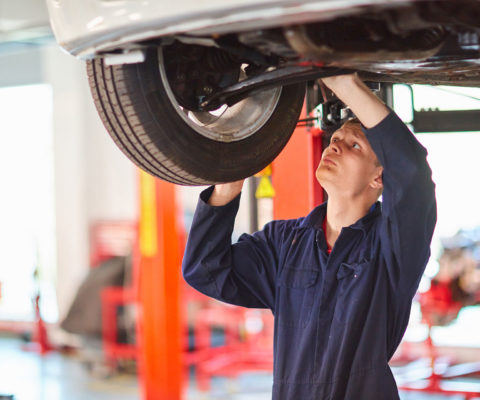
x: 335, y: 146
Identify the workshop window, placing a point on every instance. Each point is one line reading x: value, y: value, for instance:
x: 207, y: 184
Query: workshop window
x: 453, y: 143
x: 27, y: 229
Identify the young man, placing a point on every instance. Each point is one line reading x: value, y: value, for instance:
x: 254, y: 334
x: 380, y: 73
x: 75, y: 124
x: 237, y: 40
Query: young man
x: 339, y: 281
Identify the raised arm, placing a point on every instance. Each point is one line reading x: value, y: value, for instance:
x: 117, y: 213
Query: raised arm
x: 409, y: 205
x: 243, y: 273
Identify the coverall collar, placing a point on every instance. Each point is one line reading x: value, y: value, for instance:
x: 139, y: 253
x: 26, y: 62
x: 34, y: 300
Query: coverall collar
x: 317, y: 215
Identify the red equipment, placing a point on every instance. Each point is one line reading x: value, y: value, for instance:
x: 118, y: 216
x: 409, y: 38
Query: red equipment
x: 109, y: 239
x: 40, y: 342
x: 439, y: 308
x: 248, y: 344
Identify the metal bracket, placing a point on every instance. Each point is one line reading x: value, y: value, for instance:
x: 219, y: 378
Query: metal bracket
x: 434, y: 121
x: 278, y: 77
x: 128, y: 57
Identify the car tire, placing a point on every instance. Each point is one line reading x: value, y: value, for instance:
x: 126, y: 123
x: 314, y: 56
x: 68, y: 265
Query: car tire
x: 138, y: 110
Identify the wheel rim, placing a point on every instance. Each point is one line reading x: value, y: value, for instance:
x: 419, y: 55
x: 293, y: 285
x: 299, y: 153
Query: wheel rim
x: 226, y: 124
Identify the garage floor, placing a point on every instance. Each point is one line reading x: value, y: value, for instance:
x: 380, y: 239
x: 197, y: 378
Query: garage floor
x: 57, y: 377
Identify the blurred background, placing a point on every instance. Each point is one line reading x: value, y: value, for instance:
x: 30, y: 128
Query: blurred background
x: 70, y: 212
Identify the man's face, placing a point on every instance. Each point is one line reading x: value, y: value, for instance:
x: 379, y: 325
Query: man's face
x: 349, y: 167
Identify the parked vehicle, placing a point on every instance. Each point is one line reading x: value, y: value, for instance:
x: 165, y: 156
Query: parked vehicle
x: 204, y: 92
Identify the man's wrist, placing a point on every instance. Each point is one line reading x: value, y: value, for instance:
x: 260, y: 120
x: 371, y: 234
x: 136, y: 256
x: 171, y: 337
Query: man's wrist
x: 225, y: 193
x: 341, y: 85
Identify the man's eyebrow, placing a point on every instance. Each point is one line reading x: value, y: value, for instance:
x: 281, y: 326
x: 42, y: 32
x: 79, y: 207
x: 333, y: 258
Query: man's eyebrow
x: 357, y: 135
x: 353, y: 132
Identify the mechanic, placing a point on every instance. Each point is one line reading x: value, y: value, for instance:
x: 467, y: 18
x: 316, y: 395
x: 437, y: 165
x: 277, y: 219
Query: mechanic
x: 339, y: 281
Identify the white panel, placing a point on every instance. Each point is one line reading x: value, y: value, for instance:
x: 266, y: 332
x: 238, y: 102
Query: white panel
x: 66, y: 76
x: 93, y: 179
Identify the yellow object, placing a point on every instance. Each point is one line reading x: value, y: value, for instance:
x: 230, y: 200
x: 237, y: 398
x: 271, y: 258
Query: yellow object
x: 265, y: 188
x: 148, y: 216
x: 267, y: 171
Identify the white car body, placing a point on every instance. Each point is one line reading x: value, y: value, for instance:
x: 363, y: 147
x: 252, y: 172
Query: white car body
x: 86, y: 28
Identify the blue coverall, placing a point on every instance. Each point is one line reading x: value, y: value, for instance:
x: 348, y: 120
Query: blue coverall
x: 338, y: 317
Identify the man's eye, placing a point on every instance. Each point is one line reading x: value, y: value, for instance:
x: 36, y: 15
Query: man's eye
x: 356, y: 146
x: 333, y: 140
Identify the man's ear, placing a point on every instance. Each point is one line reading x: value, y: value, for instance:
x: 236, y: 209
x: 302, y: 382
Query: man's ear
x: 377, y: 181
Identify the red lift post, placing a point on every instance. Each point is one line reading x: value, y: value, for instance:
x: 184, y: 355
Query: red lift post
x: 160, y: 335
x: 294, y: 173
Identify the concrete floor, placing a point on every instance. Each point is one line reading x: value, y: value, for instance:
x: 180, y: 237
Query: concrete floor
x: 28, y: 376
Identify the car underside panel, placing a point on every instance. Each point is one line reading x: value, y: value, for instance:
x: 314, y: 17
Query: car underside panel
x: 417, y: 44
x: 456, y: 61
x: 425, y: 42
x: 463, y: 74
x: 413, y: 41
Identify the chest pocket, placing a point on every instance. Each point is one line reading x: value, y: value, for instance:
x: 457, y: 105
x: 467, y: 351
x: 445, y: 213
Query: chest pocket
x: 296, y: 295
x: 352, y: 291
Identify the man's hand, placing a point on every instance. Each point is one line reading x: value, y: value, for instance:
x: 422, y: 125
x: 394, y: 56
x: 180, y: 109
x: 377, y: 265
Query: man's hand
x: 355, y: 94
x: 225, y: 193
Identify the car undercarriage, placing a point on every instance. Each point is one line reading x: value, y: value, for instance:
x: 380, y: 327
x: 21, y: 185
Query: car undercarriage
x: 423, y: 42
x: 218, y: 103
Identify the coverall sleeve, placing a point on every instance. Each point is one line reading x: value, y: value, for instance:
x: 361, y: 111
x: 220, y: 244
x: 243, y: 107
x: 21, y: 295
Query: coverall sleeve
x: 243, y: 273
x: 409, y: 205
